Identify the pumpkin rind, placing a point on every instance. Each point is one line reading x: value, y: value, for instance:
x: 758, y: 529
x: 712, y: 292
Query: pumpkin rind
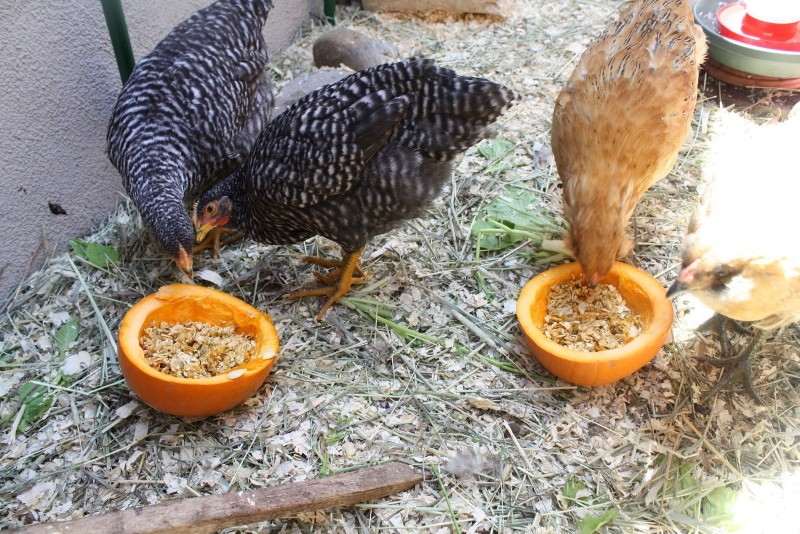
x: 642, y: 293
x: 202, y: 396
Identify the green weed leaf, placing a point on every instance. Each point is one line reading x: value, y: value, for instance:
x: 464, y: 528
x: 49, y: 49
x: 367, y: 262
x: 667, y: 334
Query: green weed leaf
x: 37, y: 400
x: 591, y: 523
x: 496, y: 149
x: 512, y: 217
x: 98, y: 255
x: 571, y: 488
x: 718, y: 507
x: 66, y: 334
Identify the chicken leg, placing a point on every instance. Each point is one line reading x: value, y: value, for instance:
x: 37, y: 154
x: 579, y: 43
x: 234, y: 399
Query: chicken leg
x: 338, y: 283
x: 737, y: 366
x: 212, y: 240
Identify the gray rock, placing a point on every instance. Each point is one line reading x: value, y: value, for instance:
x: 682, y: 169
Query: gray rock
x: 304, y: 84
x: 353, y: 49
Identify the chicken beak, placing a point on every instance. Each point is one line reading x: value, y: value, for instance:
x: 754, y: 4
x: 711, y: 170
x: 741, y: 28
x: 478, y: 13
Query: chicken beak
x: 685, y: 278
x: 184, y: 261
x: 676, y: 289
x: 201, y: 231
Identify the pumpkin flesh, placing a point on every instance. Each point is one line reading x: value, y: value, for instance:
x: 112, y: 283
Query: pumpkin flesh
x: 201, y: 396
x: 642, y: 294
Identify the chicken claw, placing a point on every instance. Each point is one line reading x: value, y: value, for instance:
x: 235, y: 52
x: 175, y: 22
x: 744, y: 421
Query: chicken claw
x: 324, y: 262
x: 737, y: 366
x: 337, y: 283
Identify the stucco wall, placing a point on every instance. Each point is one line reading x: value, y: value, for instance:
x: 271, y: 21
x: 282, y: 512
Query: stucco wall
x: 59, y: 82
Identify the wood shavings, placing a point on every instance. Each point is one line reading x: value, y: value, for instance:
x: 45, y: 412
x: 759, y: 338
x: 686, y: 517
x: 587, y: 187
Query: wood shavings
x: 195, y: 349
x: 589, y: 319
x: 38, y: 496
x: 341, y: 383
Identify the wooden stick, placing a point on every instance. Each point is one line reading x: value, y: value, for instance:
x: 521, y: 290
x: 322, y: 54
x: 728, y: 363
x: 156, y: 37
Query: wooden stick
x: 215, y: 512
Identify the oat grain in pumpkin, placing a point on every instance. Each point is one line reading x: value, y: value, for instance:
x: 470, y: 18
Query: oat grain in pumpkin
x: 589, y: 319
x: 195, y: 349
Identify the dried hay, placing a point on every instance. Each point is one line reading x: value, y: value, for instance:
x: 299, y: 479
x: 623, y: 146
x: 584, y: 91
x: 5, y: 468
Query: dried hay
x: 423, y: 363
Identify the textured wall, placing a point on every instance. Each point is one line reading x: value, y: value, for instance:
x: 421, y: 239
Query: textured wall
x: 59, y: 82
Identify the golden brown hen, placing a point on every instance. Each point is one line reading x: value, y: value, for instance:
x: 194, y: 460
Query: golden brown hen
x: 737, y: 257
x: 619, y: 121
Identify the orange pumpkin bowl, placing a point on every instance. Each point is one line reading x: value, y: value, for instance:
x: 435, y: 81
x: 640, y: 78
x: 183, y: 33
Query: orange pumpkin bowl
x: 642, y: 293
x: 190, y: 397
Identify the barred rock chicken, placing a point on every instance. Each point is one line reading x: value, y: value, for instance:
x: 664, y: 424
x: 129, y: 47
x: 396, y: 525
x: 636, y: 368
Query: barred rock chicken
x: 619, y: 122
x: 737, y: 257
x: 353, y: 159
x: 189, y: 114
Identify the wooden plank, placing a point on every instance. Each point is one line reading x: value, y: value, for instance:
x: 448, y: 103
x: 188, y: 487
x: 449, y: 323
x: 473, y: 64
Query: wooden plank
x: 215, y: 512
x: 501, y: 8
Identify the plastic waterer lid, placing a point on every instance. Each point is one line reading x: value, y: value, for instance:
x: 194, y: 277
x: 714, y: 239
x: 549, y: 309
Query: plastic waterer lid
x: 772, y: 24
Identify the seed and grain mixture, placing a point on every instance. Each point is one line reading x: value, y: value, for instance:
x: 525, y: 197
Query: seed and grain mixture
x: 195, y: 349
x: 589, y: 319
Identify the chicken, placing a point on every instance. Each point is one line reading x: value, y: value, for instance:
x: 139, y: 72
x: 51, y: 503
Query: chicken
x: 736, y: 256
x: 189, y: 114
x: 354, y: 159
x: 619, y: 121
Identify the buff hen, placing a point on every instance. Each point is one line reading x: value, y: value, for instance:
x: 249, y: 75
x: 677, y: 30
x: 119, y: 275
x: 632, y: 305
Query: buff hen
x: 189, y: 114
x: 735, y: 259
x: 354, y: 159
x: 619, y: 122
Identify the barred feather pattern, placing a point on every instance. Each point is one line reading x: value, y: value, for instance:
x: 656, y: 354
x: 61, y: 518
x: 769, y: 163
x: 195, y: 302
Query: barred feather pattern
x: 353, y: 159
x: 190, y: 112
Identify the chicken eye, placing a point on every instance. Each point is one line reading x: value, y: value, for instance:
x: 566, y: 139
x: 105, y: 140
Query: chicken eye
x: 211, y: 209
x: 721, y: 275
x: 722, y: 272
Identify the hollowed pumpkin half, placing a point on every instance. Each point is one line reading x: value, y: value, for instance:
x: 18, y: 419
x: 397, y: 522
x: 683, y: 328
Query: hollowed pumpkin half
x: 179, y: 303
x: 642, y: 293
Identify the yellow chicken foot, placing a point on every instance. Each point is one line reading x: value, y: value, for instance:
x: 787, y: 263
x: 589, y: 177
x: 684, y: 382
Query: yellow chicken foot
x: 212, y: 241
x: 323, y: 262
x: 740, y: 364
x: 338, y: 283
x: 330, y: 279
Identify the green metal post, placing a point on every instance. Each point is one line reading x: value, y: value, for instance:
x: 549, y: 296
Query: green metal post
x: 330, y: 10
x: 118, y: 31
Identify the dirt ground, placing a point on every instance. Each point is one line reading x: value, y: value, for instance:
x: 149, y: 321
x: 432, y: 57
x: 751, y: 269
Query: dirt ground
x: 423, y: 363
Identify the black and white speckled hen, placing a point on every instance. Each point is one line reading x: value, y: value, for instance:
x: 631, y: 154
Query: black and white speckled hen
x: 189, y: 114
x: 353, y: 159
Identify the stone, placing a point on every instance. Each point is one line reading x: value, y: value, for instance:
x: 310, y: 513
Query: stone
x: 297, y: 88
x: 500, y: 8
x: 352, y: 49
